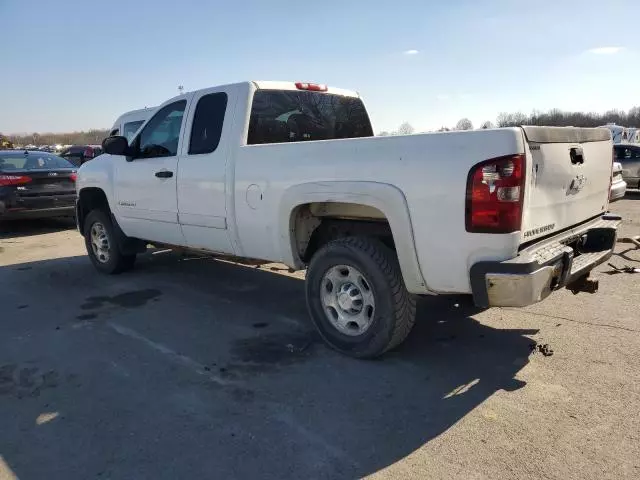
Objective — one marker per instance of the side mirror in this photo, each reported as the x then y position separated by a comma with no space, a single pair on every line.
115,145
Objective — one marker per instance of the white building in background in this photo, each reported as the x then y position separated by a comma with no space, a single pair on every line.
622,134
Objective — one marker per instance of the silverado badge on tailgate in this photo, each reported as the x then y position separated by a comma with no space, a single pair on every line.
539,230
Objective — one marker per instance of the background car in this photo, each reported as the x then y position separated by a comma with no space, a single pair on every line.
628,154
618,185
78,154
36,185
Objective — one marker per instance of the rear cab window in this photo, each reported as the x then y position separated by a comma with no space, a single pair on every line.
626,153
279,116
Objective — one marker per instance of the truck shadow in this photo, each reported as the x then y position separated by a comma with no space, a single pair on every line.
335,417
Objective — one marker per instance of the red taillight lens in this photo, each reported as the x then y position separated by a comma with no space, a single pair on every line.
313,87
7,180
495,191
73,177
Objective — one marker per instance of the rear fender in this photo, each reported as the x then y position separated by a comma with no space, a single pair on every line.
384,197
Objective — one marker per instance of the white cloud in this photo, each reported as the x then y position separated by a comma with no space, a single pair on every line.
442,96
410,52
605,50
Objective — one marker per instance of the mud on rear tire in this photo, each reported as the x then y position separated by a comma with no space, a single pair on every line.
395,308
114,261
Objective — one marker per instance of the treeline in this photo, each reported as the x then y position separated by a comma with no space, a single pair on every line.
89,137
560,118
552,118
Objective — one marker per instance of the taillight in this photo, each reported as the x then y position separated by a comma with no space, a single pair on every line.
73,177
88,152
495,192
313,87
7,180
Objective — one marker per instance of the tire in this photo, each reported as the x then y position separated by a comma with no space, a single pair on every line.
334,297
109,259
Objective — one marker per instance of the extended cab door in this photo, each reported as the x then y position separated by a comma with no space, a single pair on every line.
145,184
202,171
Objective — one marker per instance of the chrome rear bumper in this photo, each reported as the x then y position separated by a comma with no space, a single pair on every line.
545,266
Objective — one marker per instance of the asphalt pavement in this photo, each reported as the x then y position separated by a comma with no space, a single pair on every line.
192,367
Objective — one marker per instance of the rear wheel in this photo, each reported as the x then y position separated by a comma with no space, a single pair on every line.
357,298
102,246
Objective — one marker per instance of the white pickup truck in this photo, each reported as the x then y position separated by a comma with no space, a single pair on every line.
291,173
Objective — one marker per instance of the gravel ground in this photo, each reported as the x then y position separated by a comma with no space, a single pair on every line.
198,368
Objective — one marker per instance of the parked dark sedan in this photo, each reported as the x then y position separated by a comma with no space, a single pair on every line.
35,185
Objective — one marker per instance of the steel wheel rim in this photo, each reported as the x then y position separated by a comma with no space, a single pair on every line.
100,242
347,300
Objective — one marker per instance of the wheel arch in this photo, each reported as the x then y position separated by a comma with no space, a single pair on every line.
371,204
90,198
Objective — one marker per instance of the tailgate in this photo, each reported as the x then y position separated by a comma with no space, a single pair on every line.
568,180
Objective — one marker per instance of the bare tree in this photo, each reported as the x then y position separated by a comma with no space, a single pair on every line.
487,124
464,124
384,133
405,129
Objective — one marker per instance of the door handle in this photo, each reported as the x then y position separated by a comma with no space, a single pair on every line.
164,174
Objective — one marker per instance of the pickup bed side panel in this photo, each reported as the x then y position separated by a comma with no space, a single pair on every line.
429,169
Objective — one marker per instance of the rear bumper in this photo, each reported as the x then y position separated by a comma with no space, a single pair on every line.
14,207
37,213
545,266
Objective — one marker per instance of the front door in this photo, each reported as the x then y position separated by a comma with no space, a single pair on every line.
145,183
202,171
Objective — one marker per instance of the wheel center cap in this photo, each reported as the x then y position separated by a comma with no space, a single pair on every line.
344,300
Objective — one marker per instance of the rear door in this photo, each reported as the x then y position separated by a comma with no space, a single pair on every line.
568,180
202,171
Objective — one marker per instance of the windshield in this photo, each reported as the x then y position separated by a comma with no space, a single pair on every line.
31,161
296,116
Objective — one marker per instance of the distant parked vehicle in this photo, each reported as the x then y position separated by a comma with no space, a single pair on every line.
35,185
78,154
618,185
628,154
128,123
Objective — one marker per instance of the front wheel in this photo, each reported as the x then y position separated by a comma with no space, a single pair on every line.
101,244
357,298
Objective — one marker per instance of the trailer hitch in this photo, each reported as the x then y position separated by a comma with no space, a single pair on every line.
584,284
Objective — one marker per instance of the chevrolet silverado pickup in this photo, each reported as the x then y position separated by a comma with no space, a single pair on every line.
292,173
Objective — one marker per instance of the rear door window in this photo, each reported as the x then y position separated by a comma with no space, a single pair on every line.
207,123
279,116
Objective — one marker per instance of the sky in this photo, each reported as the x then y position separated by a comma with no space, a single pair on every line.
78,64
